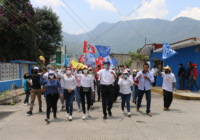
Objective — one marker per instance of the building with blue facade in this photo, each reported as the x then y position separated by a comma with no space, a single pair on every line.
188,51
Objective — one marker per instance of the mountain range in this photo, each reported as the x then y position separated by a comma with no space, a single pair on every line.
130,35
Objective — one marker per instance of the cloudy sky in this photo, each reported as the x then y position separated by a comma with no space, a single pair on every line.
93,12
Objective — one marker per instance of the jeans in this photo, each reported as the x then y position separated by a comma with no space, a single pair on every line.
78,97
133,89
69,97
154,83
191,79
126,98
98,91
27,96
181,83
51,100
62,100
148,98
88,96
107,91
136,92
168,97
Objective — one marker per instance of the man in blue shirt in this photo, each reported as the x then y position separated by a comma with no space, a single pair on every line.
145,77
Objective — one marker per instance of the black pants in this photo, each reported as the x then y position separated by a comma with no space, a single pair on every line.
107,91
51,100
116,91
168,97
88,96
27,96
154,83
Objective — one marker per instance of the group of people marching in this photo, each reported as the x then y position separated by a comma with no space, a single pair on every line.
67,83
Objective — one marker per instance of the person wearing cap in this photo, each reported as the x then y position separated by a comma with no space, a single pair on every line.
125,84
98,83
107,76
154,71
91,72
193,78
52,93
181,72
145,78
87,86
69,87
35,90
169,80
78,87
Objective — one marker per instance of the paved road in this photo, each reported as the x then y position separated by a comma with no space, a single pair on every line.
182,122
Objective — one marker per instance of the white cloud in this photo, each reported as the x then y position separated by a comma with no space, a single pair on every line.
79,32
54,4
153,9
101,5
190,12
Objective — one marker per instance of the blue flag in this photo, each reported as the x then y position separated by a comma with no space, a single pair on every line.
167,52
103,50
114,61
66,60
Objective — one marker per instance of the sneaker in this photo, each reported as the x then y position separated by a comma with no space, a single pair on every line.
67,115
119,97
29,112
70,118
40,109
84,116
104,117
137,110
123,112
89,113
47,120
55,117
110,113
165,109
129,114
25,104
79,110
149,114
62,108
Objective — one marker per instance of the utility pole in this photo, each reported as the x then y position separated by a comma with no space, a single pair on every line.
145,40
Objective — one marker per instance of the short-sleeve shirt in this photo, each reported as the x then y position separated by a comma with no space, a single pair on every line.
106,78
168,80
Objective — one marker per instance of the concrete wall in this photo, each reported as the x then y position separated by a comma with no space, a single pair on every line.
137,64
121,58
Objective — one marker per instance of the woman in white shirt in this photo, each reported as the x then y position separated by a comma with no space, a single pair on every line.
125,84
93,79
69,86
87,86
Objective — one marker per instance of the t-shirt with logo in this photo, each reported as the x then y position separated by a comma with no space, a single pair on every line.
168,80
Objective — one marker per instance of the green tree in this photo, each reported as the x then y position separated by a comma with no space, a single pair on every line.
17,31
50,29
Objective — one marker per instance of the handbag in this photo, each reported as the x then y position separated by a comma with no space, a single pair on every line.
85,89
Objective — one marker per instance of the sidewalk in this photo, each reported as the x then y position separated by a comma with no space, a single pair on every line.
179,94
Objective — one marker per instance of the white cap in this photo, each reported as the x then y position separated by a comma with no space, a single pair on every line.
134,70
57,70
89,68
125,72
36,68
51,72
85,67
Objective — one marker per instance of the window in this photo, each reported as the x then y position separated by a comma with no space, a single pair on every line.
158,62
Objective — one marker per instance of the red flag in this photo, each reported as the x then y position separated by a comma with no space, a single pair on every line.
88,48
82,59
101,60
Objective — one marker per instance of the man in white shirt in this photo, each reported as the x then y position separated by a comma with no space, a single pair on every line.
169,80
154,72
145,78
107,77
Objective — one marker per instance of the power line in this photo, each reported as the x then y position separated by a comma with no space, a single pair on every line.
127,21
82,20
120,21
75,21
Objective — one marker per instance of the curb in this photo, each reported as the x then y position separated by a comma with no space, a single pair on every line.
176,95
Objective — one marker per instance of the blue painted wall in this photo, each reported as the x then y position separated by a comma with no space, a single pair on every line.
184,56
5,85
